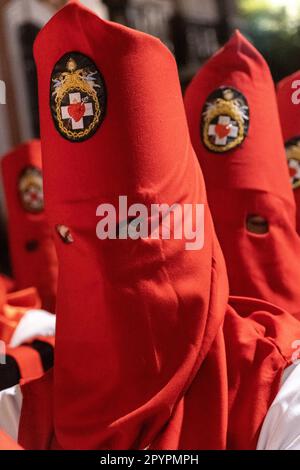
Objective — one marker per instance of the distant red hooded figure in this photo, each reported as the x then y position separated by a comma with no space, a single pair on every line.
144,333
235,130
33,255
288,96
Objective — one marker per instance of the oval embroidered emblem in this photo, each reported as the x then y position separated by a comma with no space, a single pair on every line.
77,97
292,148
225,120
30,187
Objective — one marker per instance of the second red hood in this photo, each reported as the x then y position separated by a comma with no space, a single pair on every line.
245,171
289,111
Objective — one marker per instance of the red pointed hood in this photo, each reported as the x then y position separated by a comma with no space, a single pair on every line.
245,171
141,353
257,163
122,304
289,111
33,255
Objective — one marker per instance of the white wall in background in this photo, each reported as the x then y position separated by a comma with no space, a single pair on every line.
97,6
16,13
5,141
205,10
198,9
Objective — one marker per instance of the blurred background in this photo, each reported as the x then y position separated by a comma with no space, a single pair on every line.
192,29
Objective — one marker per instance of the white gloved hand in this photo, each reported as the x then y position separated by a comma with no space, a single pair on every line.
34,323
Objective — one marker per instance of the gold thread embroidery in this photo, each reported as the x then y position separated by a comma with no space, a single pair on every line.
225,120
227,108
75,80
293,155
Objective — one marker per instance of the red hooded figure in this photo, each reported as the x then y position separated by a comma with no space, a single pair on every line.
235,130
34,260
13,307
148,353
288,96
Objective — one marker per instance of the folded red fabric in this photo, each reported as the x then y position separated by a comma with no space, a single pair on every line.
26,362
14,307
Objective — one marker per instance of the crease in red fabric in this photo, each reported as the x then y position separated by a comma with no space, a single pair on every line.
33,255
251,179
289,113
141,358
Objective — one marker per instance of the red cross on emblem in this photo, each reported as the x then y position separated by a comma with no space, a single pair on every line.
294,170
77,110
224,129
33,197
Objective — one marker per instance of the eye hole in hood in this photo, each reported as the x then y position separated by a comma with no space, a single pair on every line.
257,224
